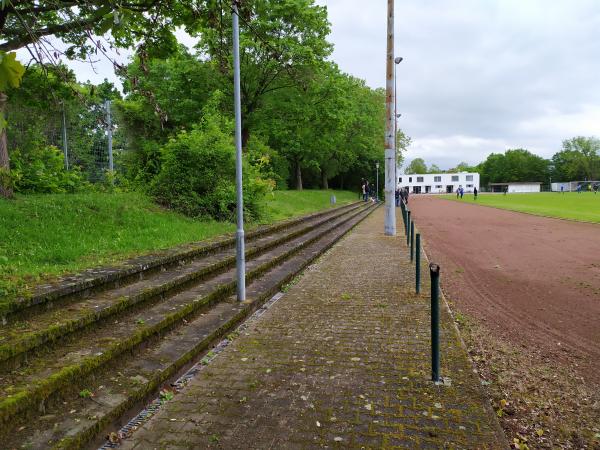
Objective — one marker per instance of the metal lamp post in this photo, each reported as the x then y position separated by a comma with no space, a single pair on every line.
377,181
240,247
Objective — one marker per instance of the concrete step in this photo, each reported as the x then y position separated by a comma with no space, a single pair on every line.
17,338
98,279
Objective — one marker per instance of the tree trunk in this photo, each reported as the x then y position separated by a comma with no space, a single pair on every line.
298,177
324,181
245,136
6,190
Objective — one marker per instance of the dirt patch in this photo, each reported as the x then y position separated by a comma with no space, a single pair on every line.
531,287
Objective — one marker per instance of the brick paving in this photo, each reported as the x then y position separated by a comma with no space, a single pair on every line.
340,361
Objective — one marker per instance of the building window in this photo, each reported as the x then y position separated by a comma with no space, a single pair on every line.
400,180
410,179
469,185
437,179
439,186
454,177
419,179
469,177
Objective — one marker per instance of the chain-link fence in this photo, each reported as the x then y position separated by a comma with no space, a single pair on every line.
89,136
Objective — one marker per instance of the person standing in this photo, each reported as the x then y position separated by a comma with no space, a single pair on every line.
462,192
475,193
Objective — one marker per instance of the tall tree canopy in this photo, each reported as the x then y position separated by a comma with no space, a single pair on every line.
417,165
282,43
513,165
578,160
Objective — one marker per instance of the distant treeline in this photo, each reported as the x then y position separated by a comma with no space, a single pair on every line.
579,160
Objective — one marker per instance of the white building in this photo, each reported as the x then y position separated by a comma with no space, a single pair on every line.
516,187
438,183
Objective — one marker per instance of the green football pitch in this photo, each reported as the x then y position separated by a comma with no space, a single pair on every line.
570,205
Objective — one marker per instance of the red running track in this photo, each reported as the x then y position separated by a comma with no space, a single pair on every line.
533,280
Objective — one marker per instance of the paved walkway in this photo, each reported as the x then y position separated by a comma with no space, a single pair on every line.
341,361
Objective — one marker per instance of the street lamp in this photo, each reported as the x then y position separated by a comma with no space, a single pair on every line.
377,181
397,61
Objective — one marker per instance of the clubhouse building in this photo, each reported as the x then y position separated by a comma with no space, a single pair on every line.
438,183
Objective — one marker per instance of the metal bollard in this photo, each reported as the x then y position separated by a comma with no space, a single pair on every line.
434,271
408,227
418,264
412,241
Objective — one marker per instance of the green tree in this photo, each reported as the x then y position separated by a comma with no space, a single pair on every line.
87,28
11,72
417,165
402,143
462,167
514,165
578,160
281,43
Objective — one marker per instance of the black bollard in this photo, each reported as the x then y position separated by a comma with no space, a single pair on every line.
412,241
408,227
434,271
418,264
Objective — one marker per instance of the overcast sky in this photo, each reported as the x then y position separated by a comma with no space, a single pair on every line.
478,76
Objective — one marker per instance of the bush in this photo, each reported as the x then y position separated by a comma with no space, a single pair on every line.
269,163
40,168
197,175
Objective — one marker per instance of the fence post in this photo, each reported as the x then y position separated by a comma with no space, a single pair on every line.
109,135
408,227
418,264
412,241
64,137
434,271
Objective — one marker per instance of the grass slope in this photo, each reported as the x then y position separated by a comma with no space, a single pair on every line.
570,205
46,235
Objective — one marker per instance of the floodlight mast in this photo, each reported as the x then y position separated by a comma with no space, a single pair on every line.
390,152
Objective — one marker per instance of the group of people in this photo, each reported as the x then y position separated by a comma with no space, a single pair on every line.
595,187
366,190
367,193
579,189
460,192
401,195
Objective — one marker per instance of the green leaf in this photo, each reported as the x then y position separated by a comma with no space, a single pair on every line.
11,71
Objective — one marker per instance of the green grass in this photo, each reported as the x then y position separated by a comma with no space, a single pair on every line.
42,236
570,205
285,204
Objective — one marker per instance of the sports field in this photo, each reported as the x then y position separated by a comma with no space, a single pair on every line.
570,205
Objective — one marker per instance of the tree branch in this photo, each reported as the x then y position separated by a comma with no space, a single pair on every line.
26,39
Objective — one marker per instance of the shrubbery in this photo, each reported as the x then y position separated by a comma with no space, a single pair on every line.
40,168
197,175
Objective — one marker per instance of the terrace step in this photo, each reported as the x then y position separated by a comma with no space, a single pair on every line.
58,320
41,383
103,278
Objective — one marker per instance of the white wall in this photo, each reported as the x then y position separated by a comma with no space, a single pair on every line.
441,185
533,187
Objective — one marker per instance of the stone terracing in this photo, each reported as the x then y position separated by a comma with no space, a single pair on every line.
342,360
70,369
